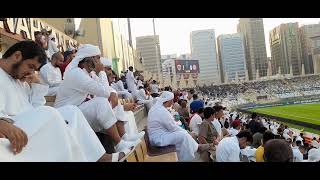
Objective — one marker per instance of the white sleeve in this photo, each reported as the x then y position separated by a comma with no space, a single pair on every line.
48,77
54,46
2,105
37,93
234,156
168,123
94,87
199,120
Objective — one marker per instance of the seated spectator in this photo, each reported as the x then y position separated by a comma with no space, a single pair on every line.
268,135
154,88
235,129
183,111
68,56
297,154
77,86
37,132
218,114
143,96
51,74
314,155
163,131
254,125
228,149
257,137
196,104
277,150
207,132
119,87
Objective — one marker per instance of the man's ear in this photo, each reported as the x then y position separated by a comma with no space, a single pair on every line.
16,57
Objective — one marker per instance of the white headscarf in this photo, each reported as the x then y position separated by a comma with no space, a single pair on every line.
164,97
85,50
106,62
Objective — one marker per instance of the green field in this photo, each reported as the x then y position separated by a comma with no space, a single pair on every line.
309,113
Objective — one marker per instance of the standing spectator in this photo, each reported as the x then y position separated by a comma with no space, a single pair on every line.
52,46
234,130
218,114
254,125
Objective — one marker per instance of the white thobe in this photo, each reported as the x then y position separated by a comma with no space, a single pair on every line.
52,48
49,137
119,87
163,131
228,150
217,126
52,76
233,132
143,98
154,88
74,90
195,122
139,84
297,155
131,82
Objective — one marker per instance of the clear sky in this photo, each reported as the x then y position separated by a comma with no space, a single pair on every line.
174,33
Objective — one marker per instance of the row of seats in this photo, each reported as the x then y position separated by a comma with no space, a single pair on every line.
144,152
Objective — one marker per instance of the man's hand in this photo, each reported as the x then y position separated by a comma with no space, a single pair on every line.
33,78
113,99
129,106
98,66
15,135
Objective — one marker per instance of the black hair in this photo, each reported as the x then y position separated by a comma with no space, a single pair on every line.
254,115
36,33
246,134
200,110
195,96
208,112
262,129
226,124
66,54
217,108
131,68
29,50
298,143
277,150
267,136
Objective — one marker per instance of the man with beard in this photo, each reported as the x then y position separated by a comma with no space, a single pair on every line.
51,74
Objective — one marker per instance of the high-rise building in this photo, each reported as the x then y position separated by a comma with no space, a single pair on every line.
110,34
149,49
231,57
255,46
203,48
306,32
286,48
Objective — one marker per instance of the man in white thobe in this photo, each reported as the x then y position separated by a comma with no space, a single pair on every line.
77,86
119,87
131,81
144,98
154,88
228,149
51,74
52,134
163,130
121,111
52,46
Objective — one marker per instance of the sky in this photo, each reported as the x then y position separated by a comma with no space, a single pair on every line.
174,33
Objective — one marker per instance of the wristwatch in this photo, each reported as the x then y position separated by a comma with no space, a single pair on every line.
8,120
